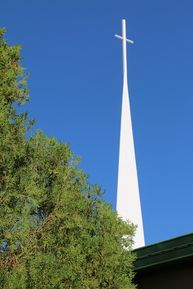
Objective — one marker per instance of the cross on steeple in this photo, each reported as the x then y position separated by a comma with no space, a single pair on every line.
124,37
124,42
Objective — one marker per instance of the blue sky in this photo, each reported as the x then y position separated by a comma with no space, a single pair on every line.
75,67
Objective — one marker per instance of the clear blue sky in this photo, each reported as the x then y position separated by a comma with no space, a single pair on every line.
75,66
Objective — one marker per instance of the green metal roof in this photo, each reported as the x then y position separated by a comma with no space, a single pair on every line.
174,250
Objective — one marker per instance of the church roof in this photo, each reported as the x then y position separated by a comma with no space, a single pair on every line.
176,250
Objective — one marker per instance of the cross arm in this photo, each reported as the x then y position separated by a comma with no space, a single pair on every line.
127,40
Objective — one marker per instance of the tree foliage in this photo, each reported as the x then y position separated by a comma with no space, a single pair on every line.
55,229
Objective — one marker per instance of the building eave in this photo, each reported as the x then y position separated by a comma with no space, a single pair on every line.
175,250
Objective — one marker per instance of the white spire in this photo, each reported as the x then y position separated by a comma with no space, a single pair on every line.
128,199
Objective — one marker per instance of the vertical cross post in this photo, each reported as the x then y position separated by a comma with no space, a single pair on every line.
124,51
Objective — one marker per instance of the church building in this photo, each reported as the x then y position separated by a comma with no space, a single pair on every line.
165,265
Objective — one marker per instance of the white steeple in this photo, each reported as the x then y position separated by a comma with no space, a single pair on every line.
128,199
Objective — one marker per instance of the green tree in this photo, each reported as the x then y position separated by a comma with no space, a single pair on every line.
55,229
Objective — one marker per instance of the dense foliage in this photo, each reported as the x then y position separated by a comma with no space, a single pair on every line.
55,229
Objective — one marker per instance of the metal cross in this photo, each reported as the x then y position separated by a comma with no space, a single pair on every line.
124,40
123,37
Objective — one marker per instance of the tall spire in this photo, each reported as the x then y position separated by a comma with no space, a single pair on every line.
128,199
